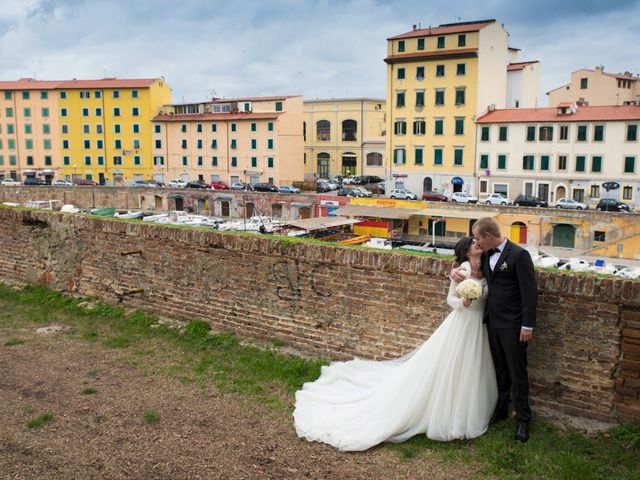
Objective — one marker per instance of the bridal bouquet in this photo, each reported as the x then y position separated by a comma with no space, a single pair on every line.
469,289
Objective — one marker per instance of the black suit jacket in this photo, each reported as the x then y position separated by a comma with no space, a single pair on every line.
513,290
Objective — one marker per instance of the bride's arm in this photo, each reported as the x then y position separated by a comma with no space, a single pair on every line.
453,300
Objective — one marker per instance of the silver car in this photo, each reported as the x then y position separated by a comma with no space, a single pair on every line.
571,204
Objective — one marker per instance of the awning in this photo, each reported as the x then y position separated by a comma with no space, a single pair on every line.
117,171
376,212
28,170
47,170
453,213
457,181
319,223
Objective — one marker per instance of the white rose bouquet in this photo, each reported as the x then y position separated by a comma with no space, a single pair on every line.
469,289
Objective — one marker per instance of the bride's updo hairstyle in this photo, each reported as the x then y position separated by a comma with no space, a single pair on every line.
461,249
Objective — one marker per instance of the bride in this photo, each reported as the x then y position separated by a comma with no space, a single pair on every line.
445,389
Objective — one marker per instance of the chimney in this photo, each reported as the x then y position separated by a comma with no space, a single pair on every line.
415,27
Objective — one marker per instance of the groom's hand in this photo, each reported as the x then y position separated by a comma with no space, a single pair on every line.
526,335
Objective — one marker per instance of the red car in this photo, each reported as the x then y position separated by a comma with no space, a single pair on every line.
434,197
218,186
84,181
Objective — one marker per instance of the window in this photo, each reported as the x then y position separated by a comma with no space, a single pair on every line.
460,96
484,134
86,128
270,126
234,127
546,134
437,156
86,144
484,161
157,128
484,186
254,144
200,161
438,126
562,162
199,143
27,112
627,193
632,133
349,130
419,126
461,69
580,163
254,127
528,162
214,161
584,82
29,160
629,164
270,143
11,144
28,144
158,144
234,161
135,111
66,160
458,156
27,128
323,130
214,127
531,134
25,95
64,128
85,112
134,93
117,144
441,42
98,112
400,127
459,126
135,128
116,128
420,98
87,159
10,128
595,191
421,44
46,128
596,164
85,94
254,162
400,99
564,132
374,159
578,194
598,133
214,143
234,144
65,144
270,162
117,160
184,143
399,155
185,161
502,162
401,46
462,40
100,158
48,160
136,143
98,128
183,128
599,236
582,133
503,134
401,73
45,112
439,96
99,144
419,73
116,111
199,128
544,162
115,94
278,106
97,94
7,95
418,155
439,70
12,160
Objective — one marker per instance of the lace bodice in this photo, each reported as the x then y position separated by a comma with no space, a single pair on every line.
456,302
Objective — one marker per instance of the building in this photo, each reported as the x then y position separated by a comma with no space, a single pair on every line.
569,151
438,80
246,140
344,137
597,87
523,80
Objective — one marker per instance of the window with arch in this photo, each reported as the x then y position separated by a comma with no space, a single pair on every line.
374,159
323,129
349,131
323,165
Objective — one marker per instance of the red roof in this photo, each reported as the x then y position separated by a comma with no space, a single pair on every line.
167,117
520,65
459,52
444,29
31,84
583,114
252,99
622,76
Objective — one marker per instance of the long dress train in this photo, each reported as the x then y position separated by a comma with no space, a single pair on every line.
446,389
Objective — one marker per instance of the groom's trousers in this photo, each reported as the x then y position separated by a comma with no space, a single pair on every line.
510,361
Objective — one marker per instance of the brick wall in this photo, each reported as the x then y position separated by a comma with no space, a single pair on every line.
330,301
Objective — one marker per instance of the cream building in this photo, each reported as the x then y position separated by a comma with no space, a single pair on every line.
344,137
597,87
250,140
439,79
568,151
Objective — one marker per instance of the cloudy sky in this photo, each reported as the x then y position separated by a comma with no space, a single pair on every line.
317,48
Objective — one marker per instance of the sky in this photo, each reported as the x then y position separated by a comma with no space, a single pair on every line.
315,48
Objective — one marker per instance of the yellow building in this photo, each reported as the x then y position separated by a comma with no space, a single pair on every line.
438,80
105,128
344,137
232,140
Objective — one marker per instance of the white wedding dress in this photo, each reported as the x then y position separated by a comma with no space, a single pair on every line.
445,389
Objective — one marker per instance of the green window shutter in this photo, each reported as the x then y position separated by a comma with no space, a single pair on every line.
66,160
234,161
458,156
439,97
531,134
401,73
270,126
421,44
632,133
270,162
582,133
629,164
254,126
185,161
214,127
419,99
233,127
580,163
199,143
439,127
528,162
418,156
254,162
214,161
420,72
459,126
437,156
544,162
254,143
45,112
214,143
596,164
598,133
270,143
484,136
460,100
400,99
233,143
47,144
502,162
278,106
484,161
46,128
503,134
401,46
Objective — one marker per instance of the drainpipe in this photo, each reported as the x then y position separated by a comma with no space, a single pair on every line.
362,137
390,132
104,139
17,130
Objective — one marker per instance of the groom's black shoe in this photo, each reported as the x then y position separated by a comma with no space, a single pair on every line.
498,417
522,432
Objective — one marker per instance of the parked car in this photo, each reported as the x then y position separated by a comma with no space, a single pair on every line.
197,184
497,199
177,183
362,191
85,182
139,183
264,187
380,188
218,186
156,183
238,186
463,197
33,181
365,179
611,205
356,192
571,204
434,197
402,193
10,182
529,201
326,186
289,189
62,183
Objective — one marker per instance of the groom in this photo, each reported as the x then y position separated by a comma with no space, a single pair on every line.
510,315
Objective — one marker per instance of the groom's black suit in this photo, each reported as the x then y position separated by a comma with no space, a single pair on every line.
511,304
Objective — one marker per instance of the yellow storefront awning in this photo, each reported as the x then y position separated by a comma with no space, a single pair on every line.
453,213
393,213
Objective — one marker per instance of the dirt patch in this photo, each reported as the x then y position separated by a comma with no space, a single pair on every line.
99,396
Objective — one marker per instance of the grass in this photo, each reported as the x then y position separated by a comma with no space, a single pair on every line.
13,341
40,420
265,375
89,391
